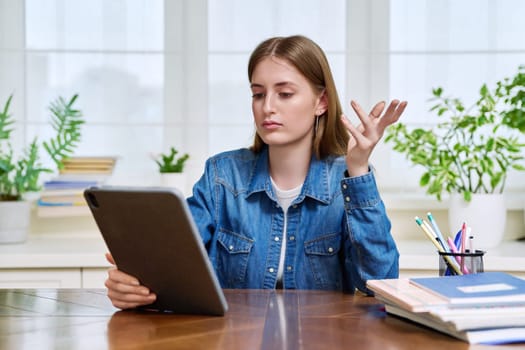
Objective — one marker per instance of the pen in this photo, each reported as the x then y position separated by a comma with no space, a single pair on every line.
428,232
471,243
437,231
471,250
439,247
453,249
433,234
463,243
429,228
463,237
457,240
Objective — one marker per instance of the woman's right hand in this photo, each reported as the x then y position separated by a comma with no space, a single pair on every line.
125,291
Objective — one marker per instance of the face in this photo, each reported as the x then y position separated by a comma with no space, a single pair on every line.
284,104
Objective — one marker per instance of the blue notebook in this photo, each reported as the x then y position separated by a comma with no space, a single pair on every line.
487,288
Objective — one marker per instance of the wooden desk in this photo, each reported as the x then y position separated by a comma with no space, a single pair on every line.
84,319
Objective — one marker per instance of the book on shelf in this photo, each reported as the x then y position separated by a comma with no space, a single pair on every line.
59,184
78,192
86,171
65,201
56,205
487,321
62,211
63,195
109,160
88,165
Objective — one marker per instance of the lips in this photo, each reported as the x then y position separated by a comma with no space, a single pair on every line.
270,124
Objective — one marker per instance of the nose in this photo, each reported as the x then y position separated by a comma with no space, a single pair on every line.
268,105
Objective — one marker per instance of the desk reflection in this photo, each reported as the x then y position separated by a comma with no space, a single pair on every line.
257,319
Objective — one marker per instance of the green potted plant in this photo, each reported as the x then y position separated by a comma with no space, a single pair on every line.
171,168
21,175
170,162
470,153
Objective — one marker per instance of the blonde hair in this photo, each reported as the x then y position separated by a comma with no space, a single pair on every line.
331,137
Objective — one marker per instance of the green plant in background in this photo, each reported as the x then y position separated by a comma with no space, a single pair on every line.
170,163
475,148
66,121
19,176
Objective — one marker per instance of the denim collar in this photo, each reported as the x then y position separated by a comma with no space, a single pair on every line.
316,184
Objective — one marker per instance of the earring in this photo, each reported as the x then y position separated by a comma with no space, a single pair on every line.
316,123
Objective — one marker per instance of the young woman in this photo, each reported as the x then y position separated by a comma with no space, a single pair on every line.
300,209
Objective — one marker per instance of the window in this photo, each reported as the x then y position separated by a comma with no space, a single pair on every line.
154,73
233,34
458,45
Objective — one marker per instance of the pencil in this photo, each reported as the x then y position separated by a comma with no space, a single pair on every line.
438,245
463,243
463,237
458,258
437,231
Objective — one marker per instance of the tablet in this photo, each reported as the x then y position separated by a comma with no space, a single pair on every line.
151,235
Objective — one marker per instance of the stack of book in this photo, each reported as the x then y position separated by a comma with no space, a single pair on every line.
63,195
482,308
99,167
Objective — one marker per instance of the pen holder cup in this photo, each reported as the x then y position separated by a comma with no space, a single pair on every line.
460,263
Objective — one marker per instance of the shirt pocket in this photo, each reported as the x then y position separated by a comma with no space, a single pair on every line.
232,258
323,257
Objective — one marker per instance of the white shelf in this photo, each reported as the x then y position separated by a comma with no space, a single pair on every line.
421,255
46,251
410,200
77,251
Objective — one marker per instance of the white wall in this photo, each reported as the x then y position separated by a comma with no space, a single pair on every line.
154,73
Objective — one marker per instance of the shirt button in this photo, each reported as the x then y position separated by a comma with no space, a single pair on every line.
271,270
230,247
289,268
276,239
330,250
345,186
347,198
292,238
295,206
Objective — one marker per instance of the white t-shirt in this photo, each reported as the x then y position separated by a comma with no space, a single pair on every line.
284,198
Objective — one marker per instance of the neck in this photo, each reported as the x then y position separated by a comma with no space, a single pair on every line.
289,166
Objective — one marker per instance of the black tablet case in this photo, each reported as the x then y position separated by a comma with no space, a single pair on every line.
151,235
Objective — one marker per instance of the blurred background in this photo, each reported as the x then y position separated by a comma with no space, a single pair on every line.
151,74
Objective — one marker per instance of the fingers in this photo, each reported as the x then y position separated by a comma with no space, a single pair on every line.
356,134
118,276
374,124
390,116
374,113
393,112
377,109
110,259
130,301
365,137
126,292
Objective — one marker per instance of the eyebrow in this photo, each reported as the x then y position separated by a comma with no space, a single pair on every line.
279,84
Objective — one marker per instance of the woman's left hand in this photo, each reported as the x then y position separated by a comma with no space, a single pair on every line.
366,136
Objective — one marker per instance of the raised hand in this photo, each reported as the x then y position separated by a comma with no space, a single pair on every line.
366,136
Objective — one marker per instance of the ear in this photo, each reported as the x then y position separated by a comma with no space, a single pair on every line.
322,104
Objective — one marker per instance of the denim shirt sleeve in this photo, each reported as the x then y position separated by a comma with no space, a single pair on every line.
202,204
372,252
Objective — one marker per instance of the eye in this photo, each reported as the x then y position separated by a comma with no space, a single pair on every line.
286,94
257,95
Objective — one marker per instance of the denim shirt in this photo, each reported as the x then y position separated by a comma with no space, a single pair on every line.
338,233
